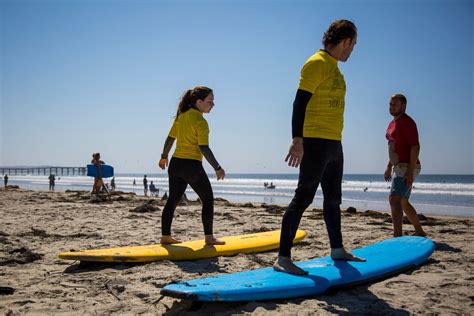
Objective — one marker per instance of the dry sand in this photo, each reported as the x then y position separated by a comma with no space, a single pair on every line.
37,225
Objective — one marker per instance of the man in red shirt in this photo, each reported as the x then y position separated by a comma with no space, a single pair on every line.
403,151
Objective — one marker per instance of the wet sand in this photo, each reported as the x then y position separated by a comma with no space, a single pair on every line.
37,225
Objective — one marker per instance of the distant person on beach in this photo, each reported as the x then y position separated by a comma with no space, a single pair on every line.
99,185
112,183
145,185
191,131
317,121
403,152
52,180
153,190
5,180
134,182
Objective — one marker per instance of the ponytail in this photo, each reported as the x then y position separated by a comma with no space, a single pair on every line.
190,97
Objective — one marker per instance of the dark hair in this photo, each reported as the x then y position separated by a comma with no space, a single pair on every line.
401,97
190,97
339,30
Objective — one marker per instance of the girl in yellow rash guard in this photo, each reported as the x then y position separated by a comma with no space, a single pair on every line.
191,131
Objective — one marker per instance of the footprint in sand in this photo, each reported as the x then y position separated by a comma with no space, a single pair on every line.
396,283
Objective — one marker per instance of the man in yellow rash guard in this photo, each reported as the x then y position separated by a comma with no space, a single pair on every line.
317,122
324,117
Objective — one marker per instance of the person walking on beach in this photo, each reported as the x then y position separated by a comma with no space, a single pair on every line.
52,180
145,185
5,180
317,122
403,152
99,184
191,131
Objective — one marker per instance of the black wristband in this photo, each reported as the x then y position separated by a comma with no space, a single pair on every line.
163,156
218,168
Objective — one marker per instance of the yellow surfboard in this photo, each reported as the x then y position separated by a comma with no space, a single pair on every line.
189,250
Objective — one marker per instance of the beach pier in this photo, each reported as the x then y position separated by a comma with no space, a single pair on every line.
59,171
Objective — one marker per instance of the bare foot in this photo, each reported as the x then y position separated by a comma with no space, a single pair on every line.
284,264
168,240
211,240
342,254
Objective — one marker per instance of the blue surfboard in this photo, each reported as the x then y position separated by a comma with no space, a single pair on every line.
107,171
384,258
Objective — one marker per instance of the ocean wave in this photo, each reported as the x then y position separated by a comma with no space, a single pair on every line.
242,186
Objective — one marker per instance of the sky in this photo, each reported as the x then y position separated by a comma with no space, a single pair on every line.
87,76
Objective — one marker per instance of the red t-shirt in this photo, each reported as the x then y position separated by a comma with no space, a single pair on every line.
401,134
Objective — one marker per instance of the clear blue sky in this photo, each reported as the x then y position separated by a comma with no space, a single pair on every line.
85,76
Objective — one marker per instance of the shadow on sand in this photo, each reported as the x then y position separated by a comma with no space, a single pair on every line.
441,246
200,266
195,266
84,266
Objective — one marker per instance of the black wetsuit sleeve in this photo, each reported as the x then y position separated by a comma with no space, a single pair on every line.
207,152
299,109
167,147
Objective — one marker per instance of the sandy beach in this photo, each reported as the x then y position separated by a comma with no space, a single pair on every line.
37,225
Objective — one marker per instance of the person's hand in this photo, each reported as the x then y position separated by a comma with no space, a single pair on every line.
295,153
220,174
388,174
163,163
409,178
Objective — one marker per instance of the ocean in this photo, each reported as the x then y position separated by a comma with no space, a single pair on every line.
432,194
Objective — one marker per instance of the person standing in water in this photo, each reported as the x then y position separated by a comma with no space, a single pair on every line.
317,121
112,184
191,131
145,185
52,180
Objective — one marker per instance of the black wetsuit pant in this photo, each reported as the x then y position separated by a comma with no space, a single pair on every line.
182,172
322,163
